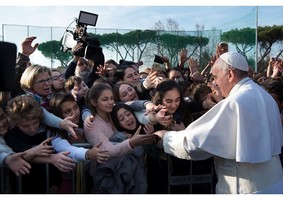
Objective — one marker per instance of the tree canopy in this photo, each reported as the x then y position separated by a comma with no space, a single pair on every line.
269,37
52,50
136,44
243,39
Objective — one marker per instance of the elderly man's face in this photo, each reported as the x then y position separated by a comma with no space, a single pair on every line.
222,78
83,68
83,64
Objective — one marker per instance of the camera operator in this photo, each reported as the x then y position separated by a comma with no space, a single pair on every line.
88,56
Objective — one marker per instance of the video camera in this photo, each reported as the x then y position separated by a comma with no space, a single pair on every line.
91,45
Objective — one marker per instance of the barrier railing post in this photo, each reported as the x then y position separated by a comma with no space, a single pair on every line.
47,178
74,174
19,184
2,190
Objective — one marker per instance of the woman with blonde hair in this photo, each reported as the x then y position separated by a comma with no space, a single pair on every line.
36,82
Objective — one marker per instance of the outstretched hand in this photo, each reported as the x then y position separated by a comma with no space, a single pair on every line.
62,161
183,57
149,81
98,154
88,122
163,117
151,107
17,164
27,48
102,70
44,148
69,126
148,128
141,139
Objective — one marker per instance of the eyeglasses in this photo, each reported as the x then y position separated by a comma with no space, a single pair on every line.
56,78
41,82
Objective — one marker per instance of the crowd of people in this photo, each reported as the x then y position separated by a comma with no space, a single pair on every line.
123,128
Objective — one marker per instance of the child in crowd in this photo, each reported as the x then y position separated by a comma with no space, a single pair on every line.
63,105
29,135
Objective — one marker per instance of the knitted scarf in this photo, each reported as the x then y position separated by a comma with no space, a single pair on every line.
43,101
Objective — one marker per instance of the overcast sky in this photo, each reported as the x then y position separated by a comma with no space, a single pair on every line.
138,17
128,15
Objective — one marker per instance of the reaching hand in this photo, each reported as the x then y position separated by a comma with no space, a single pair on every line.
27,48
196,76
193,65
139,139
40,150
62,162
77,48
43,149
98,154
183,57
158,80
88,122
17,164
163,117
148,128
276,69
151,107
102,70
149,81
69,126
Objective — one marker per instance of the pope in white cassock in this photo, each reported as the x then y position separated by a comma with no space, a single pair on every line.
243,133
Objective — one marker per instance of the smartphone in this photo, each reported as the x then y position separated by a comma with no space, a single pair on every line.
158,59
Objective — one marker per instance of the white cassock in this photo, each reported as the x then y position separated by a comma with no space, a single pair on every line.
244,134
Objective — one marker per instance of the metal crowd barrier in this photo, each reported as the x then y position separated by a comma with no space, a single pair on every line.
192,179
5,187
174,180
4,179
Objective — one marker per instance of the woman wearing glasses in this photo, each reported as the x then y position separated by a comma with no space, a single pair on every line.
58,81
36,82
